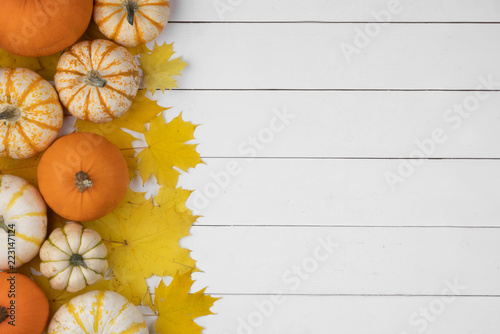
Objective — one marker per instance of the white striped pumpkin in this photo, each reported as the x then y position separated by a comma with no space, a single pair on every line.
30,113
131,22
73,257
23,221
97,80
94,312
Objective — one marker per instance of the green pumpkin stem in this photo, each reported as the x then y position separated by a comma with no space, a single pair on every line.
3,314
77,260
82,181
4,226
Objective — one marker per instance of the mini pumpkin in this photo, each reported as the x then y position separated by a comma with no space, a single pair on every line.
131,22
73,257
35,28
24,308
97,80
83,176
30,113
98,312
23,221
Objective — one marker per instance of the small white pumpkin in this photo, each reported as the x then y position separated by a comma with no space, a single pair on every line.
98,312
73,257
23,221
131,22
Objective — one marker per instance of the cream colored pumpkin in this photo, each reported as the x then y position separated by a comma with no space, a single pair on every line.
73,257
23,221
98,312
97,80
30,113
131,22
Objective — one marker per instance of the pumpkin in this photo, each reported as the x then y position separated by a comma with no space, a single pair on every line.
36,28
30,113
73,257
23,221
82,176
131,22
24,308
98,311
97,80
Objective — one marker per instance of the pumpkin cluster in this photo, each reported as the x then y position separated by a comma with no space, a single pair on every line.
81,176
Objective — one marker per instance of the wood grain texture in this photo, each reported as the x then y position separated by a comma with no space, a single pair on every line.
342,10
344,192
309,56
354,315
366,261
338,124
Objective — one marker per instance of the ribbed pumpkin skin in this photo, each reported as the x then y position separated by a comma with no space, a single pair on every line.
36,28
32,306
148,20
21,205
98,312
57,251
97,157
116,67
40,113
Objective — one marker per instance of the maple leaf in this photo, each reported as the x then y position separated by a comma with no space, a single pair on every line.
143,240
142,111
158,68
57,298
167,148
177,308
48,66
25,168
45,66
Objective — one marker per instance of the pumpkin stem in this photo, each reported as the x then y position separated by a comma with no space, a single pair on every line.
4,226
82,181
95,79
3,314
131,7
10,113
77,260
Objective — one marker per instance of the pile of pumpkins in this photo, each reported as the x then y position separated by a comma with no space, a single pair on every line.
81,176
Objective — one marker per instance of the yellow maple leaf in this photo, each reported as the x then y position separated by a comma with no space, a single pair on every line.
45,66
158,67
25,168
175,198
57,298
167,148
143,240
177,308
142,111
48,66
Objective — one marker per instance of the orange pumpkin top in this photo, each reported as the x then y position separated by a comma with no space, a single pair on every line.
83,176
36,28
24,308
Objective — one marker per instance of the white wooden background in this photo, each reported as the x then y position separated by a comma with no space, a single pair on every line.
323,175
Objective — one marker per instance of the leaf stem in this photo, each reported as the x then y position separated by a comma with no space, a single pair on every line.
116,242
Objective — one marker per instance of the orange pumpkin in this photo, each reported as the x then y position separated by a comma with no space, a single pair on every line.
83,176
30,113
24,308
97,80
36,28
131,22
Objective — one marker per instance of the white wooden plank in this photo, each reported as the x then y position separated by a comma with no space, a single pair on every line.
309,56
345,192
337,124
339,10
367,261
353,315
